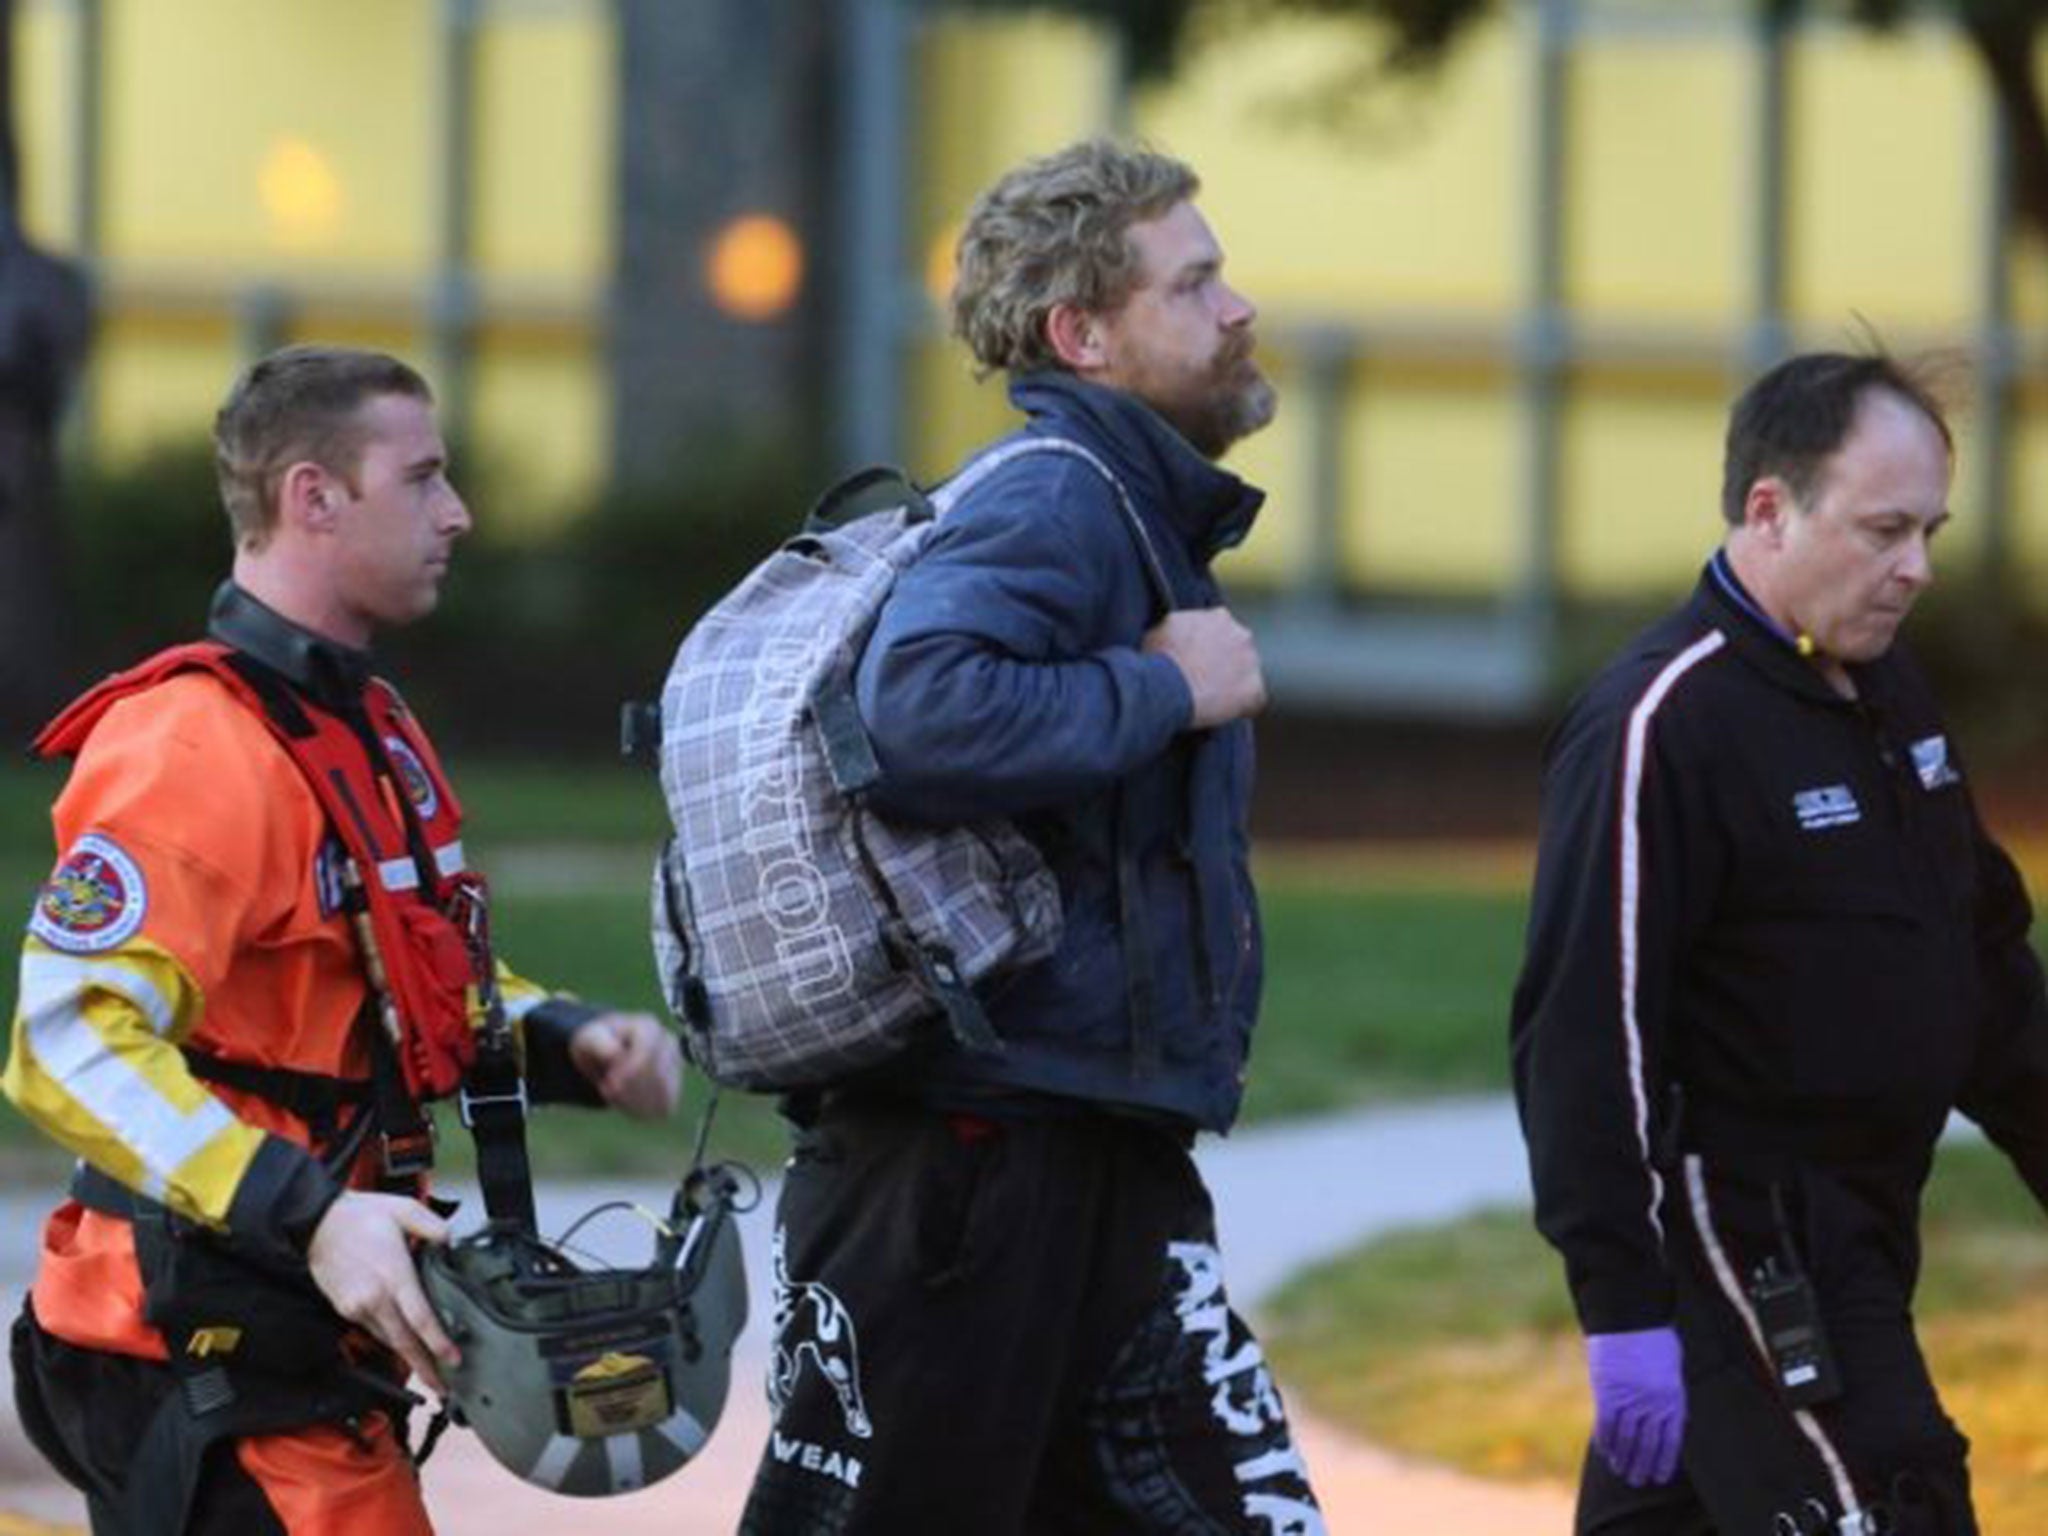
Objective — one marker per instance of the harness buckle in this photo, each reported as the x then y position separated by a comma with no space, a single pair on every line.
206,1391
408,1154
471,1102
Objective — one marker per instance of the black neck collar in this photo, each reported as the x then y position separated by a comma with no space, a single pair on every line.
327,672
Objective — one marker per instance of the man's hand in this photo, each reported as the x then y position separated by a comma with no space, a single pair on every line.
1638,1403
1217,656
363,1265
633,1061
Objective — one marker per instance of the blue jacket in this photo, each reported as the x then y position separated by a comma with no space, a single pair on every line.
1004,677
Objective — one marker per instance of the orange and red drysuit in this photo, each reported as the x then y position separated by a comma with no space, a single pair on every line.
202,905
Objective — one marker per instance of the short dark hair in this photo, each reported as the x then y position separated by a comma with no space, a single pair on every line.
298,404
1790,422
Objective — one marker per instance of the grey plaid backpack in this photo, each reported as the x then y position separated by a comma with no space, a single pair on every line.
800,936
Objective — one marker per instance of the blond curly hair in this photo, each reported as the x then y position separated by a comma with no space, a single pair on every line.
1054,231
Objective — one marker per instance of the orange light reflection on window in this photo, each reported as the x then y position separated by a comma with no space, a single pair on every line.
756,267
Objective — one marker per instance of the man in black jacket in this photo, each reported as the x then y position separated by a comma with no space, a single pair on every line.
1771,947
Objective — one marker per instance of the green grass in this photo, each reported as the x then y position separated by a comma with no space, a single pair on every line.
1377,986
1457,1343
1377,992
612,804
1454,1343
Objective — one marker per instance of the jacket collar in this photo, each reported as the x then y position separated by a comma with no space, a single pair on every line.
330,674
1211,508
1758,638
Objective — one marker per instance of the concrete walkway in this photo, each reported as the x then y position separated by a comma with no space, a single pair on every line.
1286,1196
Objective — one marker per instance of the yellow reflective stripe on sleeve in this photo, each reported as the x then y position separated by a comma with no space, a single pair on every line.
519,995
49,979
204,1188
94,1067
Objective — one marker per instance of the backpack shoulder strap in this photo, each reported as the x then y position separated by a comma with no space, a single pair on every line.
877,488
980,468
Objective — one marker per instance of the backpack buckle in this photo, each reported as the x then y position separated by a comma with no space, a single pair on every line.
938,975
640,730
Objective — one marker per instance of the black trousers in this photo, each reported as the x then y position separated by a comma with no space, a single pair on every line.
1011,1327
1883,1449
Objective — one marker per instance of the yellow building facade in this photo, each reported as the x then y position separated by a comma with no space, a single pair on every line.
1506,305
259,172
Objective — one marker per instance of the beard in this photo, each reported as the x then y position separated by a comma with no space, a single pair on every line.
1230,402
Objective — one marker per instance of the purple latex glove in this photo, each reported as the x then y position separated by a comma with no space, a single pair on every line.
1638,1403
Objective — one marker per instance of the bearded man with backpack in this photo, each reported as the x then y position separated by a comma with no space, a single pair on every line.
1000,1305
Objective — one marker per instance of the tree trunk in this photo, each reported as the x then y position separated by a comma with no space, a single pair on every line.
722,112
2003,36
44,327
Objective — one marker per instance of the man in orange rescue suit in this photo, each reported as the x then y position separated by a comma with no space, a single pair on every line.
260,952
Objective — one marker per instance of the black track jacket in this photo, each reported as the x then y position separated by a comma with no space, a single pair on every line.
1781,900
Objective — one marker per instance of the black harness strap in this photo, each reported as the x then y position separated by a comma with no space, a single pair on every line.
494,1109
209,1406
276,694
493,1094
404,1133
314,1097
